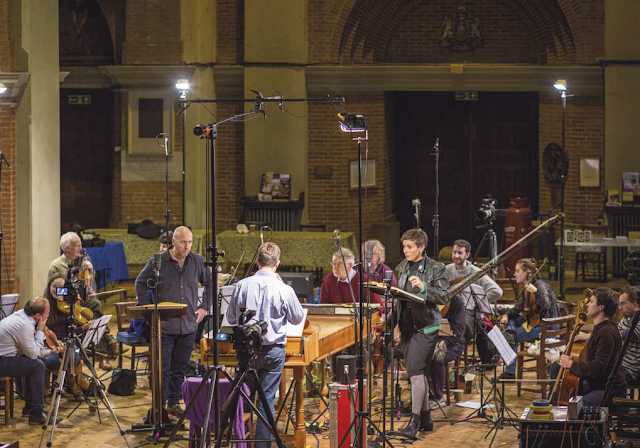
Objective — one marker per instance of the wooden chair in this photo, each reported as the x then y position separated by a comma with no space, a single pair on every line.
592,262
563,327
125,338
565,308
626,418
8,398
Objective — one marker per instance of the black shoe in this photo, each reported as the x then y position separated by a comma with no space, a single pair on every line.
426,424
411,429
39,418
507,376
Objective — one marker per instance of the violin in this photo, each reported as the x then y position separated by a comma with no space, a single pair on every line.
82,314
50,339
530,311
566,382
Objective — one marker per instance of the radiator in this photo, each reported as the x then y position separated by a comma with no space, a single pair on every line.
279,219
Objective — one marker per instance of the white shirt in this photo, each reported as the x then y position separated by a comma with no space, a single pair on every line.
18,336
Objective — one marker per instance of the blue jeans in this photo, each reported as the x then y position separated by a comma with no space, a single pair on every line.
52,362
176,354
33,371
269,364
521,335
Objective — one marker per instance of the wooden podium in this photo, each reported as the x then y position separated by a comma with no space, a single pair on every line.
166,311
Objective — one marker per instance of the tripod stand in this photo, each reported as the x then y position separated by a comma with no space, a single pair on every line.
244,374
356,123
67,365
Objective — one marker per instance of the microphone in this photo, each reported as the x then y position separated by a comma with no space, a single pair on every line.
437,145
388,277
261,236
336,237
368,255
157,263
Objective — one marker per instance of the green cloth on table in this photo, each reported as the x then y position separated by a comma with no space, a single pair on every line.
138,250
297,248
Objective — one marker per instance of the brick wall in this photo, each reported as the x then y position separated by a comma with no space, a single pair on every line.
8,201
147,200
230,162
584,138
230,31
152,34
330,200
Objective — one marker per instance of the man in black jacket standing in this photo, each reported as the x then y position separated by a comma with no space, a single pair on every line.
417,324
181,271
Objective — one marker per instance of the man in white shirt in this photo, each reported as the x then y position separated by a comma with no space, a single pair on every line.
21,349
276,304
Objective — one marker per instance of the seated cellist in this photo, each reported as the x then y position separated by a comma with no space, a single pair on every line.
604,345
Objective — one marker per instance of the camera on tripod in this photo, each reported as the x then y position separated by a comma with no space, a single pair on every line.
72,287
488,211
247,337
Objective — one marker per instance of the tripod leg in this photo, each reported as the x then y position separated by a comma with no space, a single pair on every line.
229,406
100,388
55,402
267,409
189,406
212,394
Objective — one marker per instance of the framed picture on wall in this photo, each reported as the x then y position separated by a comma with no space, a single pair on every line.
589,172
368,174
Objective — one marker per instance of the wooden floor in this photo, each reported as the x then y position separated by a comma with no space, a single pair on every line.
83,429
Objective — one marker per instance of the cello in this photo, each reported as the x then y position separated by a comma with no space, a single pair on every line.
567,383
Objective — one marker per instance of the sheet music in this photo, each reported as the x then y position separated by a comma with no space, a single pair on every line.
295,331
470,301
506,352
96,330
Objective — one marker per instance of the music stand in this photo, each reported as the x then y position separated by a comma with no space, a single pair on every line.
8,304
94,334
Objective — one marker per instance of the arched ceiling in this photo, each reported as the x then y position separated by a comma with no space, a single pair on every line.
371,24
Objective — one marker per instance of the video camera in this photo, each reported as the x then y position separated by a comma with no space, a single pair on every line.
72,287
247,337
488,211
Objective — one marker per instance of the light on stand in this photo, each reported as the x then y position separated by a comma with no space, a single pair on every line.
352,122
3,88
560,84
183,86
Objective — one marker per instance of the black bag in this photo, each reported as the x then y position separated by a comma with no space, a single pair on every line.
148,230
123,382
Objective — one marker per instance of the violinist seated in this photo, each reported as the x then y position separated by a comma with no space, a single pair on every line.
71,247
21,351
58,325
536,302
601,351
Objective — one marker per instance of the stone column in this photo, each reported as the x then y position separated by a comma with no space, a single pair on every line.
38,143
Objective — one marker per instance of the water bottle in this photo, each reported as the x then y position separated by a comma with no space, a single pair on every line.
317,294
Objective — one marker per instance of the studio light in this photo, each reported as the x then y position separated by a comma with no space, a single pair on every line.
183,86
352,122
561,84
3,88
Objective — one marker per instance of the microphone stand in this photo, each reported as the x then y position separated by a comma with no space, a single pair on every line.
436,215
3,159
